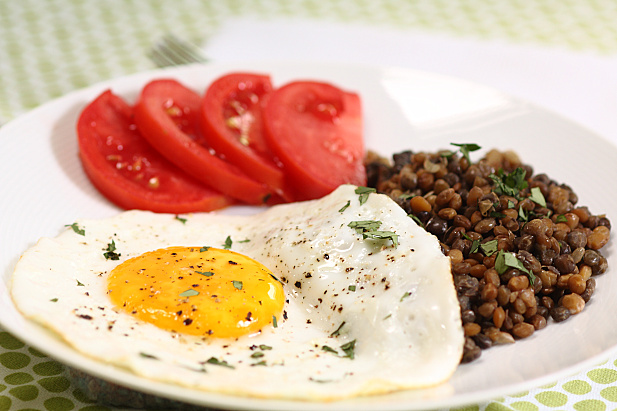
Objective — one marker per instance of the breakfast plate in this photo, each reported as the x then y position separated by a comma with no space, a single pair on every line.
44,188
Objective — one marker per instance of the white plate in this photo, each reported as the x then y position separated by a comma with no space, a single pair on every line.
44,188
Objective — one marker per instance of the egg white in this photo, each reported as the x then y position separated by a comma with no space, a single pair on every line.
398,304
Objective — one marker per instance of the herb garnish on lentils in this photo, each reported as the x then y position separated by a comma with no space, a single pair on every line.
523,252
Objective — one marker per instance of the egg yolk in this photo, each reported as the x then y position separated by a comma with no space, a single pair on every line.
198,291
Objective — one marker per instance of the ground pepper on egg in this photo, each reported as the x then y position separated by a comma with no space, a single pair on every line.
523,252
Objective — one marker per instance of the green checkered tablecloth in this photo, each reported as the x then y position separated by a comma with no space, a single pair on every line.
49,48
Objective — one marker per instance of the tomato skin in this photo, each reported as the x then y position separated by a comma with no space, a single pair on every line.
315,129
156,123
128,171
231,121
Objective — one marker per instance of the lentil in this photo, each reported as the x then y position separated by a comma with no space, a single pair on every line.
461,204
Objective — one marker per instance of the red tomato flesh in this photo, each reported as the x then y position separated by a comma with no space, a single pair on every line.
232,124
128,171
167,116
315,129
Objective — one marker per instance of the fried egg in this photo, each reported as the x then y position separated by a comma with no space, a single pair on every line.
321,300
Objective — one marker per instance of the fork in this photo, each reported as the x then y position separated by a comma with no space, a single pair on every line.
170,50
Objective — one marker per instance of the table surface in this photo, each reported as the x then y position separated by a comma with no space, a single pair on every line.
561,55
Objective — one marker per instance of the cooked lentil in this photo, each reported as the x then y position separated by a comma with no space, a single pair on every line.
481,213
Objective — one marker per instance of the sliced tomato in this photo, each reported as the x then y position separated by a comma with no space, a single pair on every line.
232,124
128,171
167,115
315,129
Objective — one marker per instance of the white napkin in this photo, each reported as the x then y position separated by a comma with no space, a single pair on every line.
580,86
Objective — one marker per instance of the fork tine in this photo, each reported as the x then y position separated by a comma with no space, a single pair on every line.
170,50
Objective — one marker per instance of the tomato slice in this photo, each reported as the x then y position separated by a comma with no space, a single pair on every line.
128,171
167,115
232,123
315,129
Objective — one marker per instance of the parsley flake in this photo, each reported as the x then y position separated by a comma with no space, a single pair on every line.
216,361
227,244
489,248
274,322
237,284
257,354
338,330
110,252
407,294
368,229
363,193
537,196
182,220
329,349
561,219
273,276
349,348
507,260
54,300
79,284
352,288
345,206
204,248
264,347
77,229
509,184
465,149
148,356
206,273
416,219
189,293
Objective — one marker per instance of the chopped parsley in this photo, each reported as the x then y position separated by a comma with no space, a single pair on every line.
345,206
349,349
237,284
77,229
407,294
227,244
264,347
206,273
507,260
338,330
509,184
182,220
274,322
54,300
216,361
364,225
204,248
537,196
368,229
329,349
465,149
257,354
110,252
489,248
352,288
79,284
148,356
189,293
561,219
363,193
416,219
